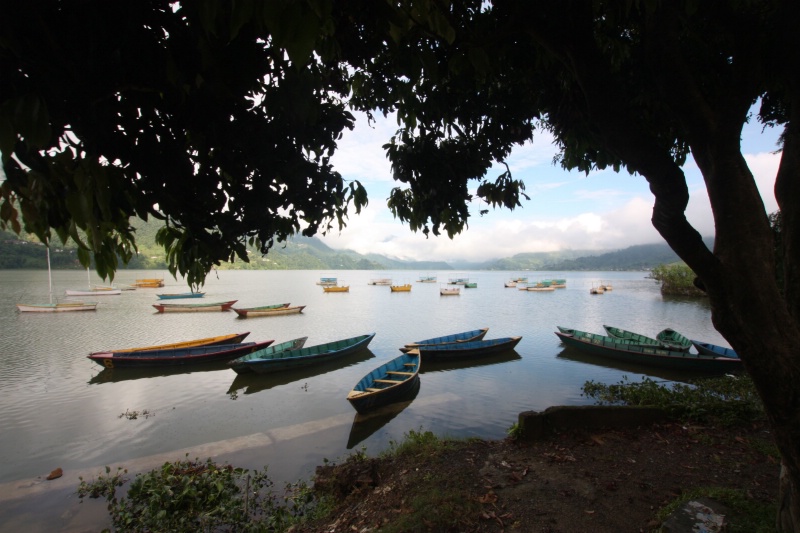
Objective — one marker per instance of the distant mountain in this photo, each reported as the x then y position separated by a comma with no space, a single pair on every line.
310,253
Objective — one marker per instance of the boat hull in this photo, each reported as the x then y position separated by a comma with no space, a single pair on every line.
93,292
277,311
466,336
401,288
57,308
653,355
232,338
467,350
386,384
193,308
266,362
180,296
183,356
345,288
712,349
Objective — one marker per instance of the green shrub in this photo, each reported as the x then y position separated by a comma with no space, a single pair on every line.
676,279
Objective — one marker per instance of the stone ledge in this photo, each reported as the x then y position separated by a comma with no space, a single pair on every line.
535,425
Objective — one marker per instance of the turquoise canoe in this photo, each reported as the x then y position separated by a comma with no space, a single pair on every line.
388,383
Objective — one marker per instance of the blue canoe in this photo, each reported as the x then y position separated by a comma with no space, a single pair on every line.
386,384
466,350
712,349
179,295
466,336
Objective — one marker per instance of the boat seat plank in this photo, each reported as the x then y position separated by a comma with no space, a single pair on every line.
397,372
372,389
409,364
391,381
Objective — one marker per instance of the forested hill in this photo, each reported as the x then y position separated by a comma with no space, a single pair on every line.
304,253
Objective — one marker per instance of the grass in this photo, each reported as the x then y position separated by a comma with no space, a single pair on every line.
743,515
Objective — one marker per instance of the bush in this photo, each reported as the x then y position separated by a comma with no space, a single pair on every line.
676,279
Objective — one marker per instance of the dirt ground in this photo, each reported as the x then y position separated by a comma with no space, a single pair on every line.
604,481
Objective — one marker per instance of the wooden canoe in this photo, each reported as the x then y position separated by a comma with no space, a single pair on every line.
268,310
149,283
595,338
60,307
180,295
653,355
93,292
266,361
193,308
466,336
667,338
467,350
450,292
241,366
401,288
386,384
336,288
712,349
232,338
220,353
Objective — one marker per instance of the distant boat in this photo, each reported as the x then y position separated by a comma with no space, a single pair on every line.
93,291
471,285
326,282
218,353
57,307
712,349
194,308
652,355
268,361
510,284
457,281
607,286
466,350
180,295
269,310
386,384
401,288
380,281
597,290
149,283
454,291
541,286
232,338
336,288
426,278
466,336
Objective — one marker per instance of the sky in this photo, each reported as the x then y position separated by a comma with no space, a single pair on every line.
567,210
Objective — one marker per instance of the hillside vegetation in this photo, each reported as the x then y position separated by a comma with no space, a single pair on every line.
310,253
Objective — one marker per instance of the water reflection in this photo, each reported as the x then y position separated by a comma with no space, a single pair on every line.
117,375
365,425
253,383
443,365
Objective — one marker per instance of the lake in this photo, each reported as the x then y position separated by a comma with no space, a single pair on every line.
60,409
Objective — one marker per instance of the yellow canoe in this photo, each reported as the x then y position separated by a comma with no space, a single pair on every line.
233,338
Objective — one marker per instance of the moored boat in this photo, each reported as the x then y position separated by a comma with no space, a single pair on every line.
380,281
149,283
327,281
266,361
231,338
57,307
653,355
466,350
667,338
510,284
219,353
401,288
426,278
99,291
180,295
712,349
336,288
194,308
447,291
268,310
386,384
465,336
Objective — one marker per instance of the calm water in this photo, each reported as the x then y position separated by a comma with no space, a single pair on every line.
61,409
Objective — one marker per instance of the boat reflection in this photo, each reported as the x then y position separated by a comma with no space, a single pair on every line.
364,425
252,383
442,365
576,355
116,375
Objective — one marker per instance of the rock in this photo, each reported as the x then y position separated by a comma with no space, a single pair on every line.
55,474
